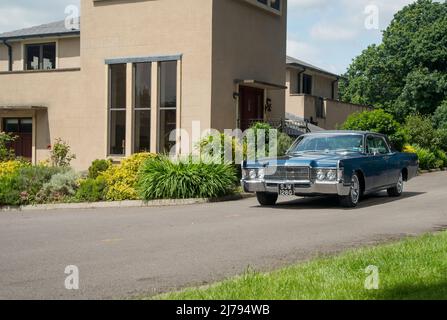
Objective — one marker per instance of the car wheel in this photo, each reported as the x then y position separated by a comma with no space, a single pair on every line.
267,199
352,200
398,189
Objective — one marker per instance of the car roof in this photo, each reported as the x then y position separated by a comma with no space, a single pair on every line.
347,132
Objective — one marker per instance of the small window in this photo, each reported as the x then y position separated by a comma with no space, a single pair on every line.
275,4
272,4
307,84
376,145
40,56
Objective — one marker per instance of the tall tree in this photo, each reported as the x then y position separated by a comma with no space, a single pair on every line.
407,72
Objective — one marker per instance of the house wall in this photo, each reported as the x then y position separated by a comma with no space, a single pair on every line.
116,29
68,53
321,84
249,43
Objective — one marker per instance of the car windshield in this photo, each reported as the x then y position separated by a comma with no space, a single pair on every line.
328,143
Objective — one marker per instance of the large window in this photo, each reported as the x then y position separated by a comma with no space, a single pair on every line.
168,104
40,56
117,109
142,108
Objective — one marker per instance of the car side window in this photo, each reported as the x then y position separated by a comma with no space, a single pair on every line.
376,145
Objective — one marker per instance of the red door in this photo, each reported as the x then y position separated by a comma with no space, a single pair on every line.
22,128
251,106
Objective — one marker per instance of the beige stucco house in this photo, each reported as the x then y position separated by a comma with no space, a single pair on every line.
139,70
142,68
312,94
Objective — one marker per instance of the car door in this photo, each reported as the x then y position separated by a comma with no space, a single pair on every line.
378,160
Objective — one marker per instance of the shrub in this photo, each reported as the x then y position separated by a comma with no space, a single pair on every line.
409,149
378,121
11,166
440,116
427,159
122,179
207,147
164,179
91,190
22,186
420,132
441,157
60,187
284,143
60,154
442,137
98,167
6,153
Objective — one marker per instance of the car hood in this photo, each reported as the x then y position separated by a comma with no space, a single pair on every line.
307,159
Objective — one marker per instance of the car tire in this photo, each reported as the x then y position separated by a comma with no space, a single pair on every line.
352,200
267,199
398,189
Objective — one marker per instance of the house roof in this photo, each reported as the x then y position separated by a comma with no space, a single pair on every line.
45,30
302,64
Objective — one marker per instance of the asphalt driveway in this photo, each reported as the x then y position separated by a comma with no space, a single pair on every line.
126,252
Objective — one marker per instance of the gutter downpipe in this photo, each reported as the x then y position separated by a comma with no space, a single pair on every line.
5,42
333,88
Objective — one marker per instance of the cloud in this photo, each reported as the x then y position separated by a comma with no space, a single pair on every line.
330,32
308,4
302,50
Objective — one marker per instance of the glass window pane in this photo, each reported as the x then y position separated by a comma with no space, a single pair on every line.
49,56
143,85
33,57
26,125
142,131
275,4
118,86
117,132
167,125
168,84
11,125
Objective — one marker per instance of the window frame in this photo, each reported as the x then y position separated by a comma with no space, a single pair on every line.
136,109
110,110
388,148
40,44
268,6
160,108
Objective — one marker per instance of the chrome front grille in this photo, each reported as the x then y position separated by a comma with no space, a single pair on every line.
287,173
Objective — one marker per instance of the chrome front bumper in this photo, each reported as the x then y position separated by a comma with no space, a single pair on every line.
301,188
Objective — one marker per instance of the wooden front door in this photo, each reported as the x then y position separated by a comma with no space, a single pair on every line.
22,128
251,106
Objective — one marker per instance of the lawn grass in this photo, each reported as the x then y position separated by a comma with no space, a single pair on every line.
415,268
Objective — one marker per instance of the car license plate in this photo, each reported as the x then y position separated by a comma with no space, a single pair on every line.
286,190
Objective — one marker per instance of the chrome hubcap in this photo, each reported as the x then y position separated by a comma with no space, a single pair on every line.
355,189
400,184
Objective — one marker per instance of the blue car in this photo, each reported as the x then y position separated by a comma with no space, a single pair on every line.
347,164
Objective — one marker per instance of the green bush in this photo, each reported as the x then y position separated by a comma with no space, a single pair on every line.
162,178
61,155
442,137
22,186
440,116
427,159
420,132
6,153
441,157
121,179
91,190
284,143
98,167
61,186
378,121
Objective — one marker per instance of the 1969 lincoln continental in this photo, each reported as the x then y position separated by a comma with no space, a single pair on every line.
348,164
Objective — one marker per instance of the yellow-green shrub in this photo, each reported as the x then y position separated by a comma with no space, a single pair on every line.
121,179
11,166
409,149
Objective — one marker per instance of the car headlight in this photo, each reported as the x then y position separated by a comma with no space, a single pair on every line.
326,175
321,175
253,174
331,175
261,173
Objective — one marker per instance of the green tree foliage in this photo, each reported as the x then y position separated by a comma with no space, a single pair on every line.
440,116
377,121
407,72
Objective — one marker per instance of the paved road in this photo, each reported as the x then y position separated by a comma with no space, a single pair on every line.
126,252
